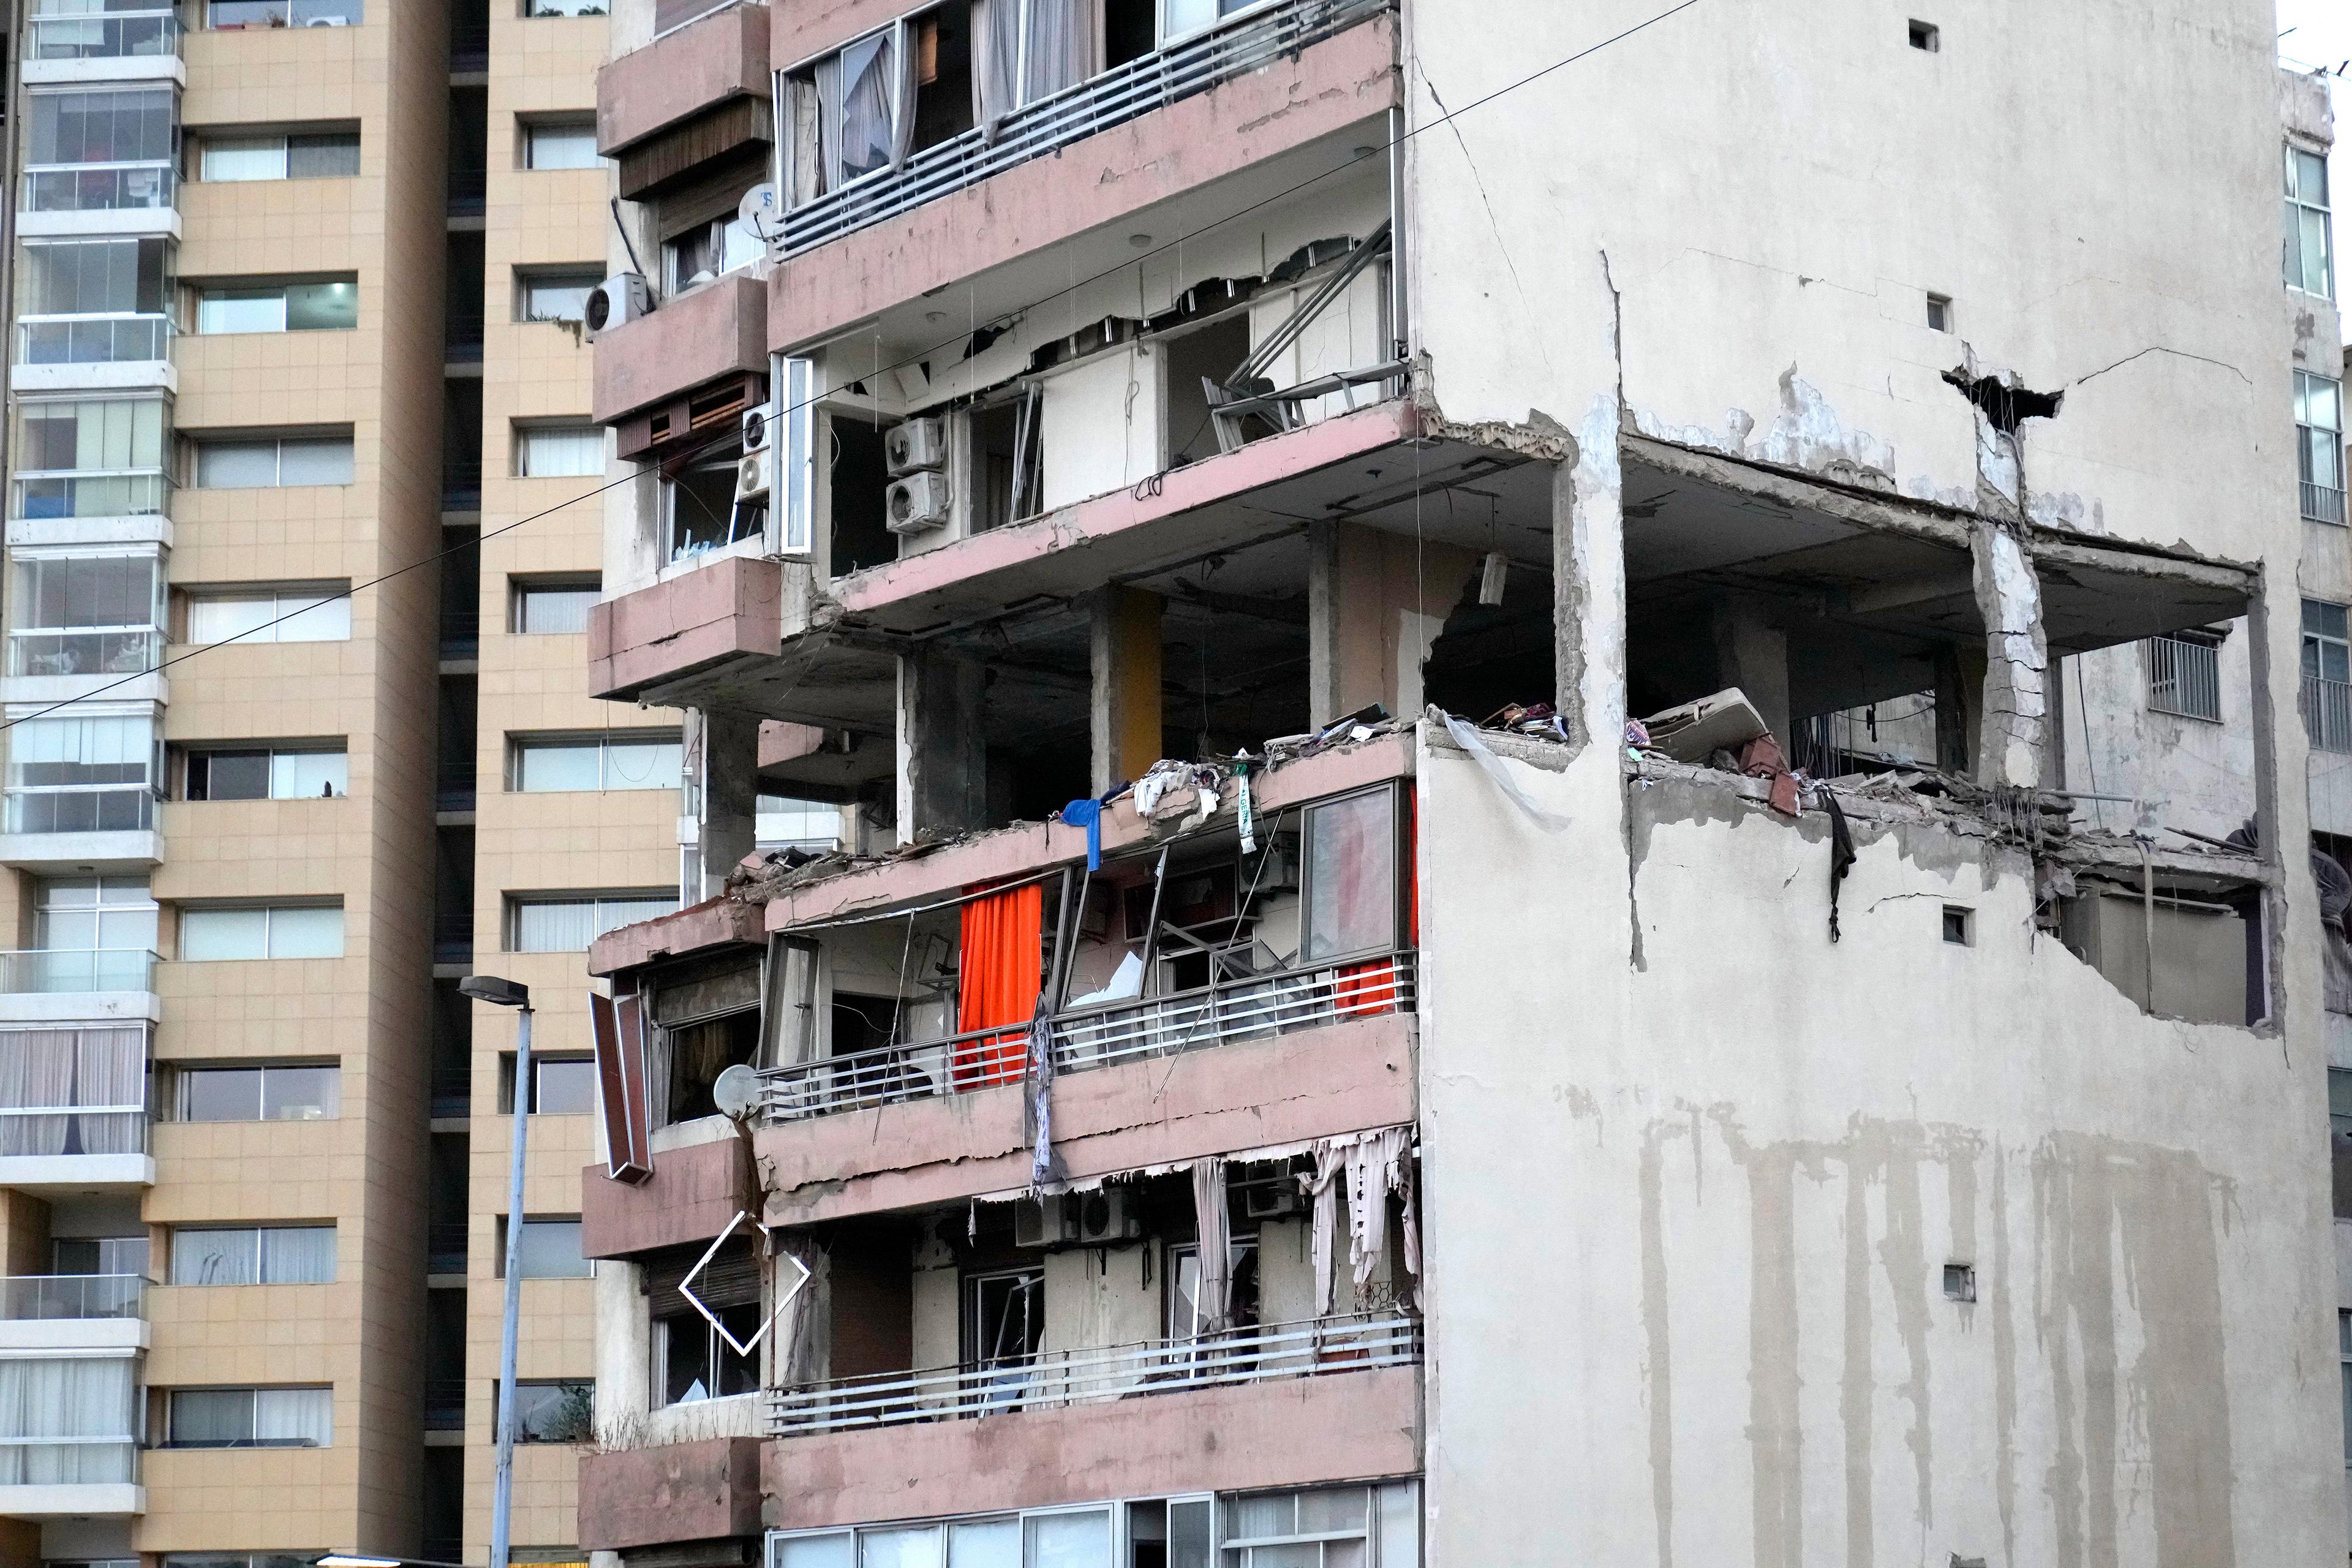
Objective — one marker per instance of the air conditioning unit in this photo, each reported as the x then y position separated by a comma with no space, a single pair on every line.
1272,1200
914,445
751,475
755,426
616,301
1103,1216
918,503
1042,1221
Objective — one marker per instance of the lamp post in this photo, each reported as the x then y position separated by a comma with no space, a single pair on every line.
500,992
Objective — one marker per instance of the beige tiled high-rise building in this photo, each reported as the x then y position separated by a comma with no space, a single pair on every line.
295,363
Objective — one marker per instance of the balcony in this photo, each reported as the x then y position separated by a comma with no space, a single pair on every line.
696,338
102,986
73,1110
109,46
73,1311
696,94
726,615
70,828
69,1413
60,353
48,653
59,494
2322,503
100,198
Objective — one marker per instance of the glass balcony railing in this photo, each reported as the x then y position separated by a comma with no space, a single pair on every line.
43,1297
68,1461
112,650
114,35
83,492
92,339
108,808
98,187
52,970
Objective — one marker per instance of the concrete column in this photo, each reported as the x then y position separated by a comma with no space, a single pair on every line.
1960,704
2013,737
1753,655
1322,623
731,793
942,752
1375,604
1126,713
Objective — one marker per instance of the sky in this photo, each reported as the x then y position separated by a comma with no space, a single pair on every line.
2319,33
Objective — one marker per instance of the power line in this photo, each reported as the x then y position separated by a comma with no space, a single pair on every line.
917,357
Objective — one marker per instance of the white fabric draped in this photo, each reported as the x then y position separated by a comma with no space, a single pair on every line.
37,1071
1214,1302
298,1254
1062,47
301,1417
865,79
49,1398
111,1068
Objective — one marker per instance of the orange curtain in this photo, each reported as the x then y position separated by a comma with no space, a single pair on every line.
1000,971
1371,987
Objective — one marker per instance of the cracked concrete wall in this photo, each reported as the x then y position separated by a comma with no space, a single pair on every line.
2012,731
2188,773
1689,1203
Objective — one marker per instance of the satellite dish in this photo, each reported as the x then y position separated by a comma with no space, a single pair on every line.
760,213
737,1091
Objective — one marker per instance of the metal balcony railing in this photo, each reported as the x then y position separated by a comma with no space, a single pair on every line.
108,36
68,1461
2322,503
1252,1007
2184,677
79,808
2327,713
41,1296
1231,48
99,187
1354,1342
85,492
47,971
84,650
92,339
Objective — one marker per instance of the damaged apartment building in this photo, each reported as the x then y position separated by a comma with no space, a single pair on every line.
1566,778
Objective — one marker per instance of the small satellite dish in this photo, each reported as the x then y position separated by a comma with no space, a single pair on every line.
737,1091
759,212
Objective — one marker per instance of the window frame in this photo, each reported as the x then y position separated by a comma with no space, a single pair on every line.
565,125
520,743
1400,878
498,1262
198,446
2297,205
523,435
203,294
595,897
2315,441
182,1088
191,755
287,603
2188,648
269,913
178,1232
520,590
253,1414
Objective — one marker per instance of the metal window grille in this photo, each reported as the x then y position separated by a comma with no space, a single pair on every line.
2184,677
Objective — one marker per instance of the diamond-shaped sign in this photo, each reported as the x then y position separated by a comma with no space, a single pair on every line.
784,1293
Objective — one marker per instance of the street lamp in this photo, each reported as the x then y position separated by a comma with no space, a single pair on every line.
500,992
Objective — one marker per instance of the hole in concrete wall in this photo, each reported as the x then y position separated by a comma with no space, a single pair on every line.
1211,352
2005,406
1959,925
1959,1282
860,487
1927,36
1488,656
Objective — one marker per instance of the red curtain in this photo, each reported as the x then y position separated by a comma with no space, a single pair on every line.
1000,972
1371,987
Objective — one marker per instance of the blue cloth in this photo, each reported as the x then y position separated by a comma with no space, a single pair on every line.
1088,814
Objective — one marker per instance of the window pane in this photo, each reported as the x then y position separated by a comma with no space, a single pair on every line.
241,310
570,766
554,609
245,158
817,1552
317,462
228,775
211,1418
335,155
546,926
562,147
326,618
562,454
220,1094
1350,877
1068,1540
551,1250
212,935
555,1412
298,1254
2323,618
247,13
321,306
306,932
301,1094
984,1544
294,1418
224,618
641,764
909,1546
309,776
686,1359
236,465
215,1256
611,914
565,1088
557,298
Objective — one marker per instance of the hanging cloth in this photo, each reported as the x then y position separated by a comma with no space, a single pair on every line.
1323,1188
1001,973
995,63
1215,1254
1088,814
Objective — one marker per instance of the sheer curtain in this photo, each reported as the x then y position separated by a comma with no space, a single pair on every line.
1063,46
215,1256
298,1254
112,1067
36,1069
294,1418
864,88
996,61
89,1398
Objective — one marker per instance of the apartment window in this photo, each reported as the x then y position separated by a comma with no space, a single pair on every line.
94,1254
1940,313
2310,264
251,1418
75,915
266,1093
609,762
2184,675
90,458
559,451
2327,676
549,605
1184,1318
68,1419
786,821
561,1086
329,306
564,8
73,1089
253,1255
328,154
84,611
1350,889
705,250
270,462
265,774
558,1411
700,504
93,772
319,613
237,14
559,144
1003,1318
549,1251
559,296
125,280
568,923
2339,1139
226,933
75,134
1322,1528
692,1362
2319,445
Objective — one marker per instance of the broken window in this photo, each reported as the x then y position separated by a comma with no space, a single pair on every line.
2319,445
943,97
1352,878
698,501
2327,676
1007,458
2310,266
859,484
1004,1322
1203,355
2184,674
691,1362
1184,1318
708,248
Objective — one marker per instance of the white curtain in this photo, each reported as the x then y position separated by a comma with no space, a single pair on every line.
215,1256
1063,46
996,61
1214,1301
37,1069
294,1416
298,1254
112,1069
863,80
51,1397
1323,1190
555,926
